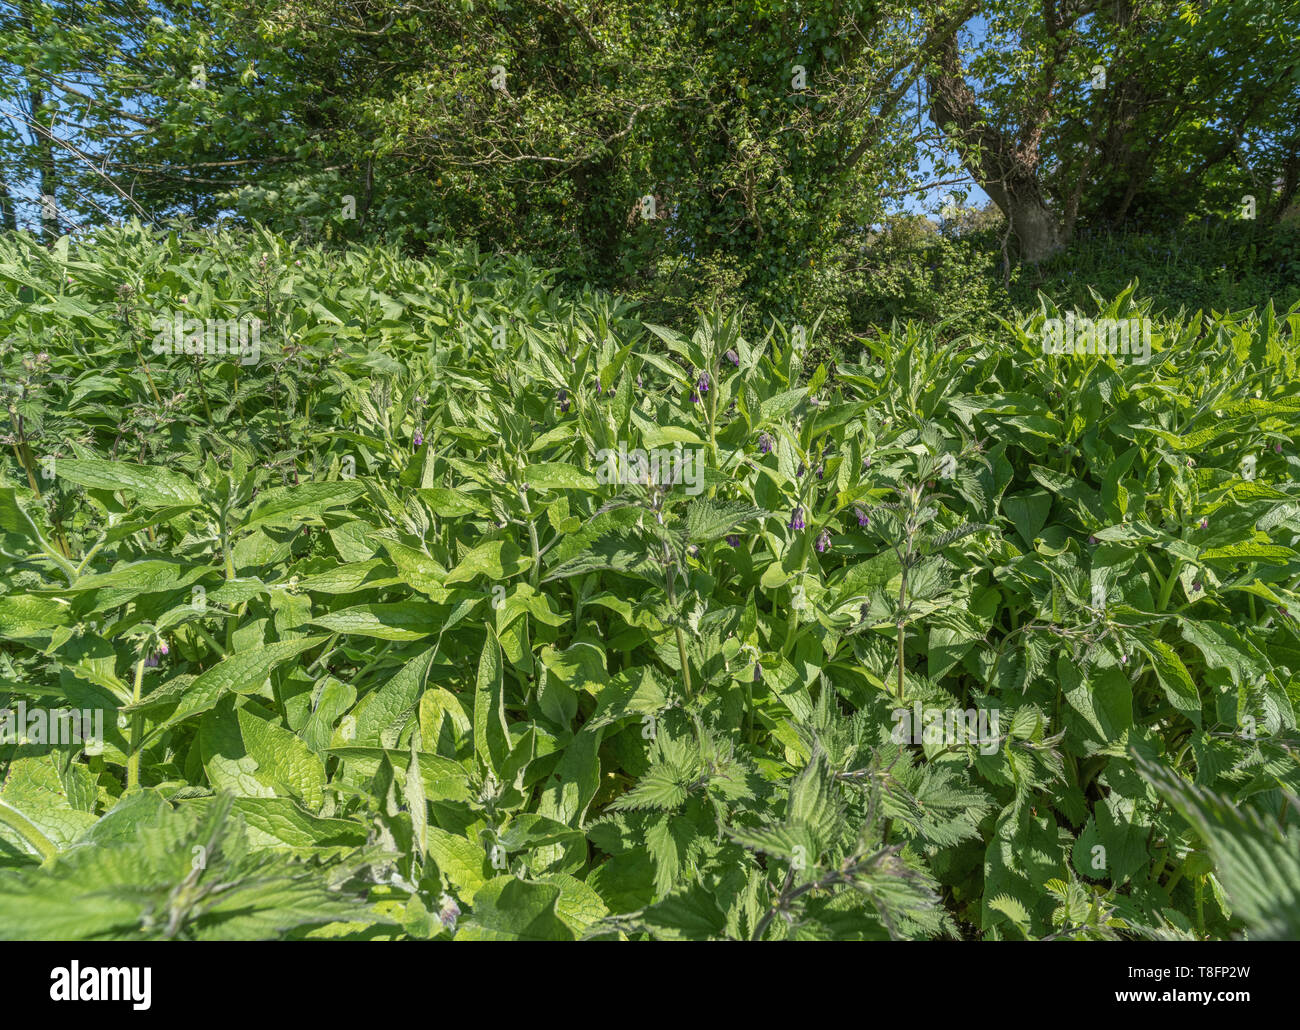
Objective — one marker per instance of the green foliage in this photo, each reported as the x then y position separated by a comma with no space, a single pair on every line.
1205,266
370,623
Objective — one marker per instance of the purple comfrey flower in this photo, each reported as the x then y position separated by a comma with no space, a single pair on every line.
599,391
734,358
162,647
764,444
866,462
863,518
1205,523
695,397
1123,659
563,398
821,471
1277,448
733,540
448,911
823,541
1092,539
801,470
1196,586
758,673
702,384
419,439
796,518
151,662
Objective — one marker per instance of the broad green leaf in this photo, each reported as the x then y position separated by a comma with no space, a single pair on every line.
153,487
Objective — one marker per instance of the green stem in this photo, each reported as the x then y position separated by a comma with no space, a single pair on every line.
535,571
137,726
1167,588
670,574
208,639
91,553
49,550
902,633
15,820
28,460
712,408
681,654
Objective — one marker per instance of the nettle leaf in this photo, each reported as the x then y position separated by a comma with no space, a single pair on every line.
129,887
1257,861
707,521
1175,679
672,841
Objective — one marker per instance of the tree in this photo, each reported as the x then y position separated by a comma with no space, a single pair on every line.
1082,109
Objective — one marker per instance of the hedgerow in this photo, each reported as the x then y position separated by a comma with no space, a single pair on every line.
451,603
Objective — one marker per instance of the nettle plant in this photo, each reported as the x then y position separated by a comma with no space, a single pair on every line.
479,608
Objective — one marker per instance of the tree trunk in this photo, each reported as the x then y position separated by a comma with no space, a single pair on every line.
8,215
1007,174
43,145
1032,222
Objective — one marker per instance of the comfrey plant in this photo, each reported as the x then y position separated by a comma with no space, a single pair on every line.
923,570
389,657
1130,337
661,466
212,337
